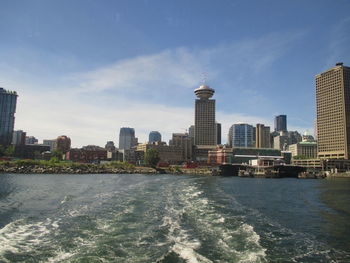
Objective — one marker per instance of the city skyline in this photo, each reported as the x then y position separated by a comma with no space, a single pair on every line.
86,70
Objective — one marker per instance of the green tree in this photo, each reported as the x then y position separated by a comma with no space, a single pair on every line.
2,150
54,160
9,151
57,154
299,157
151,157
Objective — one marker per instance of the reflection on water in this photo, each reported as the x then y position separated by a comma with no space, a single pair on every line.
335,193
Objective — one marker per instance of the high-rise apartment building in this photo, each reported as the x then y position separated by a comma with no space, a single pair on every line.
191,131
127,138
218,133
262,138
154,136
205,126
185,142
281,123
241,135
19,137
333,112
8,101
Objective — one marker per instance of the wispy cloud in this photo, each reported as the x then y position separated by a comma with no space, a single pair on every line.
339,42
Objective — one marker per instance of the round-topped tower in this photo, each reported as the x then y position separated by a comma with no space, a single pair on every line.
204,92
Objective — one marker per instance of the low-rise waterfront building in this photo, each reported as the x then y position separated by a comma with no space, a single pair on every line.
170,154
30,151
110,146
242,155
114,155
51,143
221,155
87,154
326,165
31,140
304,149
201,153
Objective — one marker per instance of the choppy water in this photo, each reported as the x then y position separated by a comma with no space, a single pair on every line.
168,218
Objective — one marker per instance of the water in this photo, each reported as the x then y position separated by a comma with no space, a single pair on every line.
169,218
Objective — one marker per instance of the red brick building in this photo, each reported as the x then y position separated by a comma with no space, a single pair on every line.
87,154
63,143
219,156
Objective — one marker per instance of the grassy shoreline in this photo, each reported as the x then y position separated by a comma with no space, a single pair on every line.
61,167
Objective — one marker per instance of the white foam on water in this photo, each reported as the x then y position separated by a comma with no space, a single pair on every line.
195,194
211,222
22,237
183,244
219,220
60,256
67,198
187,253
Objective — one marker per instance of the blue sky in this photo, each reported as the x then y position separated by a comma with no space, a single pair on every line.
86,68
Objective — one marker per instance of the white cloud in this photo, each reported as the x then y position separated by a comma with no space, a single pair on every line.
172,68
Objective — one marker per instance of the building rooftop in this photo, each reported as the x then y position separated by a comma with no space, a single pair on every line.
308,143
337,65
204,92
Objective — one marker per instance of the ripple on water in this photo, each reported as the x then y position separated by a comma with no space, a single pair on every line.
170,219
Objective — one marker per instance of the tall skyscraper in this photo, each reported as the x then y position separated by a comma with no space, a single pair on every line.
262,138
333,112
205,126
218,133
19,137
154,136
281,123
8,101
191,131
127,138
241,135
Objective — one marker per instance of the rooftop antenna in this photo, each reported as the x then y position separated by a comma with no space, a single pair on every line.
204,78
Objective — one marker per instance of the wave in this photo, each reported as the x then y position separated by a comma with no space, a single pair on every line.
23,238
195,225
